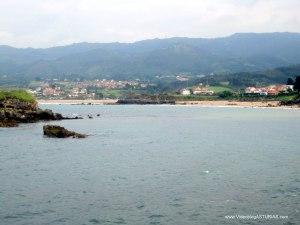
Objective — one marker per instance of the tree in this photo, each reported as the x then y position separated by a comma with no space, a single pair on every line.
226,94
290,81
297,84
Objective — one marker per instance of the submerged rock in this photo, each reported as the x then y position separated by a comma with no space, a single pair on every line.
60,132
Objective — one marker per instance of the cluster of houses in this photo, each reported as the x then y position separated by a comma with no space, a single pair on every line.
110,84
55,89
76,92
269,90
48,91
199,90
182,78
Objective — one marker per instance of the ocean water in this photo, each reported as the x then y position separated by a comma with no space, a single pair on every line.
169,165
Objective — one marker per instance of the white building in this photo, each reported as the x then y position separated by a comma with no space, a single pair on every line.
185,92
202,90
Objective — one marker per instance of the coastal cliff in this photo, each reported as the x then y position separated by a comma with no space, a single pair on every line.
20,107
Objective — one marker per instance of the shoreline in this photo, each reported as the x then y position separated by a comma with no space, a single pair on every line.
217,103
77,102
237,104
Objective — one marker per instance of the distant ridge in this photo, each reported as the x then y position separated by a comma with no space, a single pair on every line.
149,58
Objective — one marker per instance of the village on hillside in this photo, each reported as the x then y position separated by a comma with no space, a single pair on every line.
115,89
88,89
271,90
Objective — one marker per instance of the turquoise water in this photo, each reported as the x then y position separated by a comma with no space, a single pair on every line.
140,165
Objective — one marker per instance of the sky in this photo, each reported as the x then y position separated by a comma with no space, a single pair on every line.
46,23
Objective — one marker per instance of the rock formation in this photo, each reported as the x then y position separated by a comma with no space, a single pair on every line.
60,132
14,111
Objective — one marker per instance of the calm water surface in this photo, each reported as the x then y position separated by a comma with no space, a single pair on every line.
168,165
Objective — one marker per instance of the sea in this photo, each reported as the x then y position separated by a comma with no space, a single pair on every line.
154,164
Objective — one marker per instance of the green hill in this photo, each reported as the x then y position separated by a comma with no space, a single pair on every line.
147,59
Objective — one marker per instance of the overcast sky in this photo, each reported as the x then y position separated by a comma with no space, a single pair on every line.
44,23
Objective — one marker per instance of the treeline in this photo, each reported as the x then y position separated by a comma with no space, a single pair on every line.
246,79
234,80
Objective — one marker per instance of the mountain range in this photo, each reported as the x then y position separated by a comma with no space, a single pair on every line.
150,58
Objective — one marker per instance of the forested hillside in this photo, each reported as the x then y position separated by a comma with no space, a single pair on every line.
245,52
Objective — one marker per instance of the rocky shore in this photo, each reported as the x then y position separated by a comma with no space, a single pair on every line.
14,111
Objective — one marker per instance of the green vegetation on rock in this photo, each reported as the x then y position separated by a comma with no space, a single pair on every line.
19,94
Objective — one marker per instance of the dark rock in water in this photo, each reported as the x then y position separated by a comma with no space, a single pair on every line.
90,117
8,123
98,114
60,132
73,118
13,112
144,102
47,114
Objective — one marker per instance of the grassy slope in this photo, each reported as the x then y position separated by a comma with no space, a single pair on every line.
19,94
219,89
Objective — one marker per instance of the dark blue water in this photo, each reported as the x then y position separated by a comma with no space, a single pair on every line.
153,165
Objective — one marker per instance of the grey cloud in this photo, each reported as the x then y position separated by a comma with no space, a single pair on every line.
46,23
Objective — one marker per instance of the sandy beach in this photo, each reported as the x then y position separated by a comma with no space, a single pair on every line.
224,103
78,102
242,104
231,103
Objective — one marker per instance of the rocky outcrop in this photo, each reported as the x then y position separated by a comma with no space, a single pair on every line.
60,132
13,112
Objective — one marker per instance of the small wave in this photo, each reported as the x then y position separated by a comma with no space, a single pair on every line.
176,205
119,221
94,221
156,216
140,206
26,214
